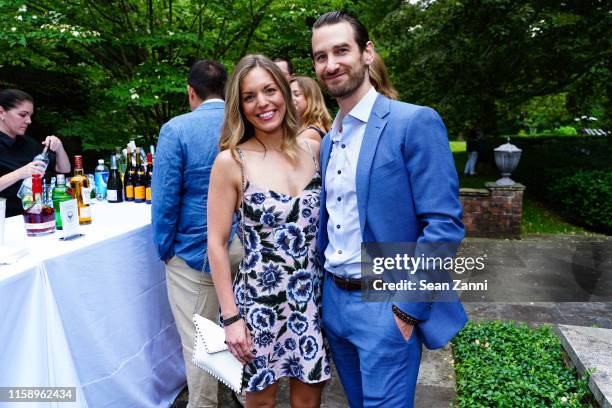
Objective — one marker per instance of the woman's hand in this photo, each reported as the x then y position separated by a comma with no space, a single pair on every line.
53,143
31,168
239,341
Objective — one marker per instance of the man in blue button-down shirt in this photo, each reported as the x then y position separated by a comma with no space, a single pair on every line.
388,176
186,150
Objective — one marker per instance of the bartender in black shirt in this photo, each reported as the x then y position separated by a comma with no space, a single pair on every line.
17,150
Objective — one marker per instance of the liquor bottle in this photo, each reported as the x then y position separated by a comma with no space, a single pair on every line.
79,184
101,178
128,178
114,192
148,192
39,218
139,183
60,193
25,191
43,157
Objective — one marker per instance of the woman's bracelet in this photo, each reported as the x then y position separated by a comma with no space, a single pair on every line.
230,320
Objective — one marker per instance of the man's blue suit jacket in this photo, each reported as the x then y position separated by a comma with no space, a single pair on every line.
407,191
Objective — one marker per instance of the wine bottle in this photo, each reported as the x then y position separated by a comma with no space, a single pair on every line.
39,218
128,179
148,192
60,193
139,183
79,184
114,192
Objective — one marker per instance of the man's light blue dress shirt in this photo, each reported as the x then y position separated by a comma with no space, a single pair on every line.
343,253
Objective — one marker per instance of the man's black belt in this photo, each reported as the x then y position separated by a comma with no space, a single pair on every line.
350,284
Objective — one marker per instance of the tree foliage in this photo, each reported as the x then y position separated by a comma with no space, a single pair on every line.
470,58
109,71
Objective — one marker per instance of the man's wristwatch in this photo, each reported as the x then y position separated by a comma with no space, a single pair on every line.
230,320
404,317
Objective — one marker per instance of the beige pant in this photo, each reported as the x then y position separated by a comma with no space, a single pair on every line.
183,284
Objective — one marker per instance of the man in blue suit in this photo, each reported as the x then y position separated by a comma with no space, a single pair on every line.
186,149
388,176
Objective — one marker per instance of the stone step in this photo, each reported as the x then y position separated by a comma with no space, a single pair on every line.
591,348
435,385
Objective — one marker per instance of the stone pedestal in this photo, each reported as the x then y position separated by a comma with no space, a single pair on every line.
494,211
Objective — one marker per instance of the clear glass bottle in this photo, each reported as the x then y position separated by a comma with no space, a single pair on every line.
39,218
121,161
79,185
25,191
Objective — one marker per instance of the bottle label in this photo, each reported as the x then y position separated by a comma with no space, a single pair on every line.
86,195
139,193
84,212
101,178
129,192
111,195
40,226
148,194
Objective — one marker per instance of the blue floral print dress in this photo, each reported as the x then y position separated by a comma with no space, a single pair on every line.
278,289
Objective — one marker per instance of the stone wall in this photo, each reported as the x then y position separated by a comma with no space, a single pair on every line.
494,211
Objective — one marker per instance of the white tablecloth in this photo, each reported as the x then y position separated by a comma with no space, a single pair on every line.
91,313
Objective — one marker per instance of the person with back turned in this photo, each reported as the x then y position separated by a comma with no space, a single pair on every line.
186,149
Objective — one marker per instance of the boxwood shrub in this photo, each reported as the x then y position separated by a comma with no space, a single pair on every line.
502,364
586,198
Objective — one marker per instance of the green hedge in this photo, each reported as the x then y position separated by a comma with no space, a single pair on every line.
586,198
549,167
501,364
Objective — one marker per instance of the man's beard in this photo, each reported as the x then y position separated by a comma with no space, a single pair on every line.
355,79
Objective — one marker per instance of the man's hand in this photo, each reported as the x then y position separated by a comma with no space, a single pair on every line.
404,328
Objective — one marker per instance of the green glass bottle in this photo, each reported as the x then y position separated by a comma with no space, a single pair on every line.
60,193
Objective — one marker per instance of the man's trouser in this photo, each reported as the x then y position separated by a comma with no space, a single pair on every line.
377,367
183,285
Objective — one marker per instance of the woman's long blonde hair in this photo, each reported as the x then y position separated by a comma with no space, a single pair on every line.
380,78
316,113
236,129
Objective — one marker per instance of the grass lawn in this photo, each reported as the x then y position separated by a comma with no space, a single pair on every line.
457,147
537,219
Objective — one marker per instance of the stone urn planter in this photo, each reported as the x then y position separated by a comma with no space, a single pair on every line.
507,157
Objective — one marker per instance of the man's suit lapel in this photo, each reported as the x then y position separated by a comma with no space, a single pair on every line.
324,158
374,128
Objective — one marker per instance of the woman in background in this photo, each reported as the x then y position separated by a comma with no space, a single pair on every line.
17,149
380,78
310,105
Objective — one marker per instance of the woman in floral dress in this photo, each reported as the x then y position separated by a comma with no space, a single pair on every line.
270,179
